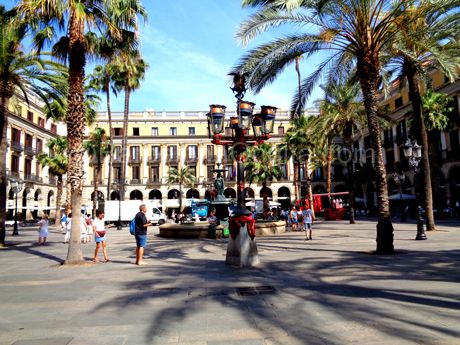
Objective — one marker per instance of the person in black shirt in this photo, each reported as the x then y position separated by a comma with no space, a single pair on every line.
141,233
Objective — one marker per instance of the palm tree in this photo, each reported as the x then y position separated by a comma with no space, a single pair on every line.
351,34
101,80
128,71
262,166
98,147
427,37
29,74
182,177
48,17
341,111
57,163
297,144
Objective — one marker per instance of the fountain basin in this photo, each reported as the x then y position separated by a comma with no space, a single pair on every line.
188,230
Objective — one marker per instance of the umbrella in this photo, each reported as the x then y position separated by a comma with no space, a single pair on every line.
401,196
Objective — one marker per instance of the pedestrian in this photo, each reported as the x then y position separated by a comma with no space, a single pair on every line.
89,227
308,219
212,220
300,219
63,223
43,229
100,235
68,227
141,234
293,218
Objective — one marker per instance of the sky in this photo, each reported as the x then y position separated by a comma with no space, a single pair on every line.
190,47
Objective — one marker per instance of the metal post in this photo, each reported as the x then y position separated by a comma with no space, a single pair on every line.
420,226
119,210
15,228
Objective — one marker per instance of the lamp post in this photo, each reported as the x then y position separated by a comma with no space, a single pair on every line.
413,153
119,187
17,188
262,126
399,179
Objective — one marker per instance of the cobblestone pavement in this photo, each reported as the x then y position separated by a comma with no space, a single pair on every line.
331,290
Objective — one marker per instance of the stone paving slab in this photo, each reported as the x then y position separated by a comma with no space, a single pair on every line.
328,291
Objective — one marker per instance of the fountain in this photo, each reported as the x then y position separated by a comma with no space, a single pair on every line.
220,202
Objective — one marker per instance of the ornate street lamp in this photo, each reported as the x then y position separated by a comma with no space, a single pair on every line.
17,188
413,153
239,139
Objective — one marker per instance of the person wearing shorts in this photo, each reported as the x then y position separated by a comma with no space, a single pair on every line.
100,235
307,215
141,234
293,218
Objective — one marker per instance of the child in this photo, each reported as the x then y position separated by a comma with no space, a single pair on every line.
43,230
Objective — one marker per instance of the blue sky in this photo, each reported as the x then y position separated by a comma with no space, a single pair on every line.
190,46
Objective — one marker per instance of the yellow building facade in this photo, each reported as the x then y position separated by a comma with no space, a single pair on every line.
159,141
28,133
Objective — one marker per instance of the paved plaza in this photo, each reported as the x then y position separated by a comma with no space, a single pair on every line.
331,290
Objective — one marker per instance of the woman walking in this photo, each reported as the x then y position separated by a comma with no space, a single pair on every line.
43,230
100,233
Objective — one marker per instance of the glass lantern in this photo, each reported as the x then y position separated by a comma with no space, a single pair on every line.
245,109
417,150
268,116
257,125
407,149
216,118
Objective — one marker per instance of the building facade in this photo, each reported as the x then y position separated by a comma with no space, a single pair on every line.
159,141
28,134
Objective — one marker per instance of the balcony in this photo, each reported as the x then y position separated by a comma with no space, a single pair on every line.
33,178
154,160
52,180
135,181
172,159
29,150
191,159
227,159
116,161
17,146
12,174
210,159
135,160
153,182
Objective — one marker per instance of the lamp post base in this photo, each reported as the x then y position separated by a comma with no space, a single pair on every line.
420,230
242,251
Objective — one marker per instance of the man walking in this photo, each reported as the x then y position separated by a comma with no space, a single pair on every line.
141,234
307,216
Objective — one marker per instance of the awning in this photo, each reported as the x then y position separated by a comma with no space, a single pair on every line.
171,203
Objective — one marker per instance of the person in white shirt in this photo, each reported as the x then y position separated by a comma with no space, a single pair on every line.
100,233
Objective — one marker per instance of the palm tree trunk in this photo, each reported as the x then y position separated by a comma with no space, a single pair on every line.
75,132
3,177
348,142
96,186
109,113
368,74
421,135
296,180
309,187
124,144
180,197
299,84
58,197
328,166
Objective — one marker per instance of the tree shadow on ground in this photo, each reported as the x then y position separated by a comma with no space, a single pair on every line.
371,294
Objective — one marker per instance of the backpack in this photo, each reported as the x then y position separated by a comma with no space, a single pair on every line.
132,226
